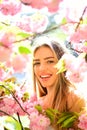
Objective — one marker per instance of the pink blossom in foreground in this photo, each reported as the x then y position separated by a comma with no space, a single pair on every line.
9,105
83,122
38,121
6,105
10,7
31,103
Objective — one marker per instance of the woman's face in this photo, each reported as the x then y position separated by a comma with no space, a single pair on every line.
44,66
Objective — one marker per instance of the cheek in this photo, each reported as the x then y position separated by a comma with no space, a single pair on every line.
55,70
35,70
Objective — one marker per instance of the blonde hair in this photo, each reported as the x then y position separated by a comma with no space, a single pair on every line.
59,97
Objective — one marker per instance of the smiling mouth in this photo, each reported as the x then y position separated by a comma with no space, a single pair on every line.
45,76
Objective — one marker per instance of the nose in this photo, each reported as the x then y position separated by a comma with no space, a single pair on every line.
43,67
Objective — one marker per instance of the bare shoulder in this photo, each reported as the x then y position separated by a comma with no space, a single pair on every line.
75,102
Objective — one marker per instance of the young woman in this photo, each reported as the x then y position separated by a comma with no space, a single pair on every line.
53,88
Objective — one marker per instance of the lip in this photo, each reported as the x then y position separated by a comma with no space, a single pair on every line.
45,77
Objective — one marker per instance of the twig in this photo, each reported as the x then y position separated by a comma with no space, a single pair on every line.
7,114
15,99
20,121
81,18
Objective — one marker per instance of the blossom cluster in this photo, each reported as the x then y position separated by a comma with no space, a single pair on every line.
75,67
15,99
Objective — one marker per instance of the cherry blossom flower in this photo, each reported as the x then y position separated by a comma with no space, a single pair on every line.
18,62
35,23
80,47
7,39
31,103
79,35
76,70
42,124
75,67
83,122
76,64
50,4
38,22
7,54
68,61
23,23
74,76
8,103
8,7
69,8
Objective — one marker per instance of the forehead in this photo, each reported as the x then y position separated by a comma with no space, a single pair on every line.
43,51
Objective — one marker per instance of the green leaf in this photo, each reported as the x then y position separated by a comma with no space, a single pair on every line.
66,119
24,50
63,118
50,114
69,122
11,124
54,111
61,66
6,87
24,120
84,20
85,43
64,21
23,34
25,96
39,108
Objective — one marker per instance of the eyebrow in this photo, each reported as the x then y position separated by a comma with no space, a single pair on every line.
44,58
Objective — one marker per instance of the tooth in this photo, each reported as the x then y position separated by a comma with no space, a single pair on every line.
45,76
